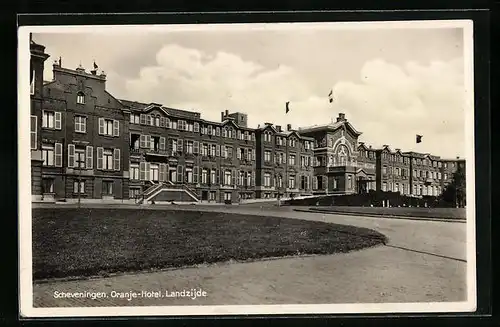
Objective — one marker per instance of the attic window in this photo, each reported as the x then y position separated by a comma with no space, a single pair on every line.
80,98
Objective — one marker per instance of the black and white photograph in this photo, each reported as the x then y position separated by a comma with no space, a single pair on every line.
257,168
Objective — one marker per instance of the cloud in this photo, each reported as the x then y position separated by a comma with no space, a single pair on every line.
389,103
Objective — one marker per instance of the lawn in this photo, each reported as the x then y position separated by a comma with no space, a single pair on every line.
70,242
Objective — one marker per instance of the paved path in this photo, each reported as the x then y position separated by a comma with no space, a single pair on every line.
424,262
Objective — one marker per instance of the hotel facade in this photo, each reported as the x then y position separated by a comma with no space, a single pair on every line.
87,144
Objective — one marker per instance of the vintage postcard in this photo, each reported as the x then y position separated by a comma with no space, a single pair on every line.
296,168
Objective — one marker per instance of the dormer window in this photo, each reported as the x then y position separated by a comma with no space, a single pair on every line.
80,98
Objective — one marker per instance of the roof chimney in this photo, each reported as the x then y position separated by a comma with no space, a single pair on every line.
278,128
458,157
385,146
370,147
288,127
222,116
227,112
341,117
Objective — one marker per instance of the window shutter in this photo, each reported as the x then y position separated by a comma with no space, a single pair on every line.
71,155
162,121
142,141
252,178
58,153
161,175
315,183
196,127
148,141
162,143
195,174
100,155
238,153
142,119
101,126
167,122
34,133
253,154
217,176
83,124
147,175
142,171
233,173
217,150
180,146
196,147
89,157
116,159
57,120
217,131
179,173
116,128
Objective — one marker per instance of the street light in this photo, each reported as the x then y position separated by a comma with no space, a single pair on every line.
79,162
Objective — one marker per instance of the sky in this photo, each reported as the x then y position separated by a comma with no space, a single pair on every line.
391,83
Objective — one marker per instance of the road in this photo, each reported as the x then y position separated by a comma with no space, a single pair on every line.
424,261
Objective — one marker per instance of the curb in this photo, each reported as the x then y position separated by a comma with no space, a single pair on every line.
363,214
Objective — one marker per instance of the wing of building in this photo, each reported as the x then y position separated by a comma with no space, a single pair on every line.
88,145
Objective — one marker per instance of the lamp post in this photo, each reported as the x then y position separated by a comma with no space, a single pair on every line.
79,162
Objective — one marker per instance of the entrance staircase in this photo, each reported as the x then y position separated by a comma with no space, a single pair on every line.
167,192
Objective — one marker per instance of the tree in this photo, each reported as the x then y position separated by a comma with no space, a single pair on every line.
455,192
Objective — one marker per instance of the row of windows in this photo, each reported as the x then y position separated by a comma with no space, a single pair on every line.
277,181
279,158
156,120
417,189
292,142
79,187
156,143
161,172
81,157
53,120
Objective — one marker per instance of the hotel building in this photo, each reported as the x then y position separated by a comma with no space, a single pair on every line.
88,144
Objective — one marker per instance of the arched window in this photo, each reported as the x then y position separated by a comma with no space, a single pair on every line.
80,98
342,154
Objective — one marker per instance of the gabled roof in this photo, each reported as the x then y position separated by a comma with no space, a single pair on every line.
331,126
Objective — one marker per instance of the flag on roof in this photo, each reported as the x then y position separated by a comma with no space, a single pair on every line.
287,109
330,96
95,65
419,138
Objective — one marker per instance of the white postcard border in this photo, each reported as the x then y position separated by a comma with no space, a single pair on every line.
25,207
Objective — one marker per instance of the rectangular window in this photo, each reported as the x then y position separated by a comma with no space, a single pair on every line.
267,179
109,127
107,188
80,98
80,124
48,155
267,156
189,147
33,133
204,176
80,158
79,187
227,177
291,182
47,185
134,171
107,156
48,119
291,161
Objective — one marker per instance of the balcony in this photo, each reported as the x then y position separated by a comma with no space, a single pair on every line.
158,152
